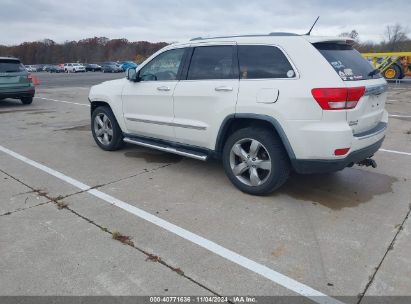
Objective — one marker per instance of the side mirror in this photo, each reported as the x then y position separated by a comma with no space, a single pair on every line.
132,75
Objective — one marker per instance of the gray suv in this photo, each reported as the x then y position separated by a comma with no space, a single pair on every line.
15,81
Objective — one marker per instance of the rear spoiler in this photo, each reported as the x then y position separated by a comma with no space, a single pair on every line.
323,39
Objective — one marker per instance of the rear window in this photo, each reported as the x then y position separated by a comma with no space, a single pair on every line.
11,66
347,61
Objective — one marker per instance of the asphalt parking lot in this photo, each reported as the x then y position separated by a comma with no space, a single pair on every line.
181,227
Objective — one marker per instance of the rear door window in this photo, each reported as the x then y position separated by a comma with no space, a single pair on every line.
11,66
347,62
258,62
212,62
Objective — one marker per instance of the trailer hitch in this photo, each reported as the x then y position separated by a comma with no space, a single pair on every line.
368,162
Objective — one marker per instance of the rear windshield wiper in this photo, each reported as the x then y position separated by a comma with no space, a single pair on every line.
373,72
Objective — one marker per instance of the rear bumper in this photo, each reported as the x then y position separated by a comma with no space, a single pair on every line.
18,93
308,166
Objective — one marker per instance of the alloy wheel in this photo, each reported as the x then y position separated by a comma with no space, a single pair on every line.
250,162
103,129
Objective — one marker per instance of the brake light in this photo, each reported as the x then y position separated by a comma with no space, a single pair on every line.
338,98
30,78
339,152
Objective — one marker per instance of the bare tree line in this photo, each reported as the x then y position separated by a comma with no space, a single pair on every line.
97,49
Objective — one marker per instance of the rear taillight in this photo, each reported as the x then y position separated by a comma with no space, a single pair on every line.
342,151
30,78
338,98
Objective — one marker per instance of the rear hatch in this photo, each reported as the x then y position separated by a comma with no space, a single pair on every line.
13,75
357,72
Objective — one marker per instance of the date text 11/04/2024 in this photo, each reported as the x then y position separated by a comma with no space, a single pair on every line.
202,299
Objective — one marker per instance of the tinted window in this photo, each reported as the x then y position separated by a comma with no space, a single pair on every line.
346,61
163,67
212,62
11,66
263,62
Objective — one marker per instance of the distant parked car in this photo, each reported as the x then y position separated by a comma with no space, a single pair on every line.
92,67
15,81
47,67
74,68
31,68
127,64
55,69
111,67
39,67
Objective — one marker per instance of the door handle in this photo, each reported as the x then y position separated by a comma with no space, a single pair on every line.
163,88
223,89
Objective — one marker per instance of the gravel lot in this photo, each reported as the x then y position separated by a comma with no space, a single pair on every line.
343,234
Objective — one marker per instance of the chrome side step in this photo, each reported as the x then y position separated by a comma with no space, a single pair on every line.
165,148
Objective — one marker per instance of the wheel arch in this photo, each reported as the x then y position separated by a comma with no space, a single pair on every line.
238,121
97,103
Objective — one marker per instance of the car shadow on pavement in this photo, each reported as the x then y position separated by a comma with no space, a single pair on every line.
347,188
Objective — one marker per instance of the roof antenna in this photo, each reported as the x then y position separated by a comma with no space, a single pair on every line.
309,32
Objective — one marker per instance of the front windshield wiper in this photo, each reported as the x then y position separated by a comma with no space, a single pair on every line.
373,72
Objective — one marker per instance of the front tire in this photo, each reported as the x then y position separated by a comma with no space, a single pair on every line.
255,161
26,100
106,131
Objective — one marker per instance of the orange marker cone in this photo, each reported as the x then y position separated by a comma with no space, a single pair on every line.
35,81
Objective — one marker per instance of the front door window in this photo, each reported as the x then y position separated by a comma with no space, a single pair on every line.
163,67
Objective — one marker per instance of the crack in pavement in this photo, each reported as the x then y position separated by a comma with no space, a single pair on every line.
61,197
33,190
130,176
22,209
390,247
150,256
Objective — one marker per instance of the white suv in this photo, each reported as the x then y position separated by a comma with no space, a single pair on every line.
74,68
264,104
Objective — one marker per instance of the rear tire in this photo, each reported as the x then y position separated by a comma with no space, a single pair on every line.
259,170
26,100
106,131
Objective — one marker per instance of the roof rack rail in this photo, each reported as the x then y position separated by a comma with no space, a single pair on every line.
282,34
252,35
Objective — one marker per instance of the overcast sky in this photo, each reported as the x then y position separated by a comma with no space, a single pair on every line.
178,20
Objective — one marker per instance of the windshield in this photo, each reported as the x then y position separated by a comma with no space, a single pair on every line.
11,66
347,61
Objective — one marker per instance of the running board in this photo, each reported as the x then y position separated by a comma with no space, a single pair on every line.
165,148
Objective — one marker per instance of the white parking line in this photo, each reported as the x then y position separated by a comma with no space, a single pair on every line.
396,152
232,256
63,101
397,115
